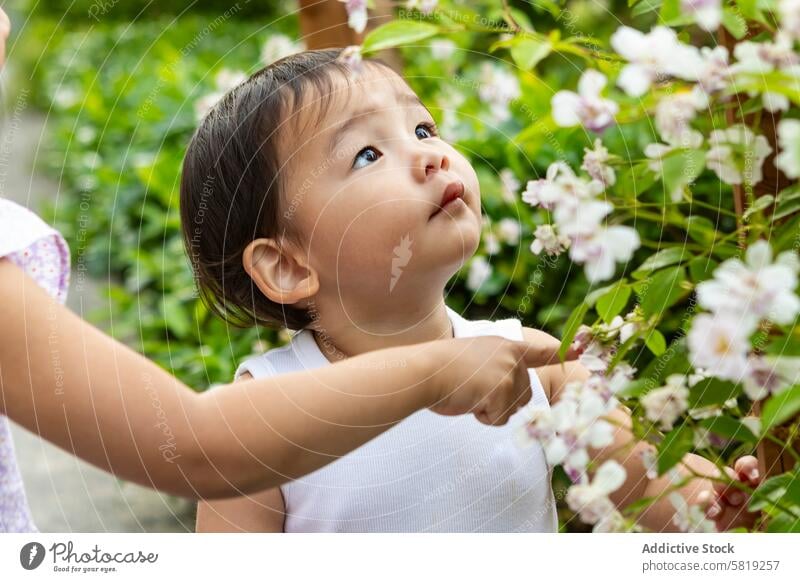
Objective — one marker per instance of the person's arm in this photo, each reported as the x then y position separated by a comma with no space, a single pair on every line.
260,512
87,393
627,451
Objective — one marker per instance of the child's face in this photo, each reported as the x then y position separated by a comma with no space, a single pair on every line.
366,189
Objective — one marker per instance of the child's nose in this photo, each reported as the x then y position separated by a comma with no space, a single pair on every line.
428,162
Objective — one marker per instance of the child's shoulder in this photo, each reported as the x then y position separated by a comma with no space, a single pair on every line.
271,362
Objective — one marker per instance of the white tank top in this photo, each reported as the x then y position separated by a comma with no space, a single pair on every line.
428,473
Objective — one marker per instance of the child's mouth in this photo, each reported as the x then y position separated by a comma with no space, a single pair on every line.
453,194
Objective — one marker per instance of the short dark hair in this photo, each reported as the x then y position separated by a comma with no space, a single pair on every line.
233,183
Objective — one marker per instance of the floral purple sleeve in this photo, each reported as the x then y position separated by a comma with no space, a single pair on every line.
42,254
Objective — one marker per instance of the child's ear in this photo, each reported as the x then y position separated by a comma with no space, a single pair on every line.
280,271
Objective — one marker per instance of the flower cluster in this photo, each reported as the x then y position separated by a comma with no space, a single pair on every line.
740,297
579,215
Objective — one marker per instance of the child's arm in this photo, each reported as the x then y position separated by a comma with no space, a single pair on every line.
628,452
261,512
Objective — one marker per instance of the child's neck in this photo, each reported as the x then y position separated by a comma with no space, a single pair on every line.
341,333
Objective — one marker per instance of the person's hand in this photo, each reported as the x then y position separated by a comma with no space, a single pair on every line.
727,505
5,30
487,376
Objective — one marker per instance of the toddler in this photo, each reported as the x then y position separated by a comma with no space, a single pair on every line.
318,196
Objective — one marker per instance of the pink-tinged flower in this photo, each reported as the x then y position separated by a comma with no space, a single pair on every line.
706,13
560,186
548,240
789,11
351,56
509,184
591,501
756,289
737,155
715,73
586,107
788,160
665,405
498,88
658,54
356,14
690,518
720,345
674,115
424,6
760,58
763,378
600,252
595,163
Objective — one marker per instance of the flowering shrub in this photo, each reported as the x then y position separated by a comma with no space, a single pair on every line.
690,254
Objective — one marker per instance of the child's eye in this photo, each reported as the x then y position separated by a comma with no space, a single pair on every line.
425,130
366,156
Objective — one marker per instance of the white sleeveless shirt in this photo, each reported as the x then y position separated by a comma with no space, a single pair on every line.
428,473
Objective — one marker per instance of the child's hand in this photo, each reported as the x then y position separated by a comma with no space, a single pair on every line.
727,505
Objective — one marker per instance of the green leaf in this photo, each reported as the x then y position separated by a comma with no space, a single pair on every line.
702,268
701,229
681,168
712,391
784,523
780,407
528,51
788,203
662,258
770,491
655,342
675,445
735,24
788,345
176,318
673,361
761,203
571,327
670,9
730,428
612,303
645,6
396,33
662,291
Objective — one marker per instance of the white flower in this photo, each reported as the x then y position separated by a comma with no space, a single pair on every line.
424,6
650,463
737,154
277,47
546,239
674,115
509,231
755,289
789,11
509,184
706,13
600,252
591,501
759,58
690,518
356,14
763,378
497,89
612,522
788,160
651,56
714,70
595,163
479,272
666,404
581,218
227,79
586,107
442,49
491,244
559,187
720,345
351,56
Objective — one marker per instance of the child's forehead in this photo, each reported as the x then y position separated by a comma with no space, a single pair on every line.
324,108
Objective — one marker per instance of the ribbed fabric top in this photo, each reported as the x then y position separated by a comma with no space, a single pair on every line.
429,473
